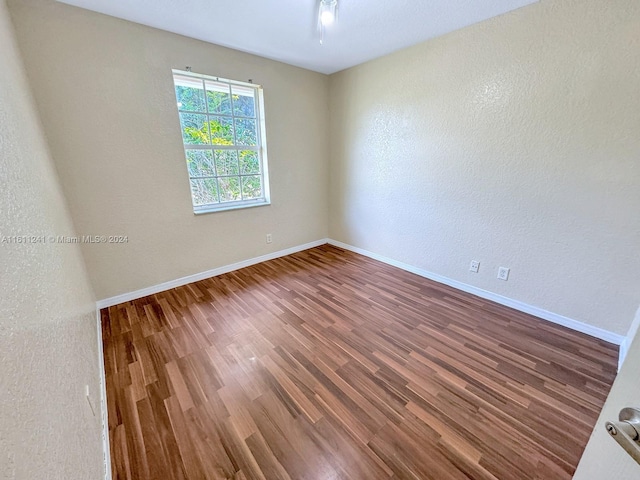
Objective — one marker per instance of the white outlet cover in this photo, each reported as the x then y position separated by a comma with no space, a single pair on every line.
474,266
503,273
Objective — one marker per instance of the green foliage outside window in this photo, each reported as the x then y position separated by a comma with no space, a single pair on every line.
220,119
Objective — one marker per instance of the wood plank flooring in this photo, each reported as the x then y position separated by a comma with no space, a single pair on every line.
329,365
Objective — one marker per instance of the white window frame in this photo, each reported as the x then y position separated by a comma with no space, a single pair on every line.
260,148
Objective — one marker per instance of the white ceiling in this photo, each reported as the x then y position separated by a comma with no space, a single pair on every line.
286,30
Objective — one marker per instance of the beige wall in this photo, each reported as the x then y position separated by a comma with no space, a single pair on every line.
48,345
604,458
105,94
514,142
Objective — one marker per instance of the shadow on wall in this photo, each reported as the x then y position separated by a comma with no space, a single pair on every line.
631,334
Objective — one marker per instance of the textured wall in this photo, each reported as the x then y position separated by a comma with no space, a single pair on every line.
513,142
604,458
48,345
105,94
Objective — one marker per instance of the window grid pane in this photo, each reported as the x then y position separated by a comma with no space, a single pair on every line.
218,97
219,123
195,129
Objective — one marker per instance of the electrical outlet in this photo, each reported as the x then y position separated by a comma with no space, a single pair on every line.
269,238
503,273
475,266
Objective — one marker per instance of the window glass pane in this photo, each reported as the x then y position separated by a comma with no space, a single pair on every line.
243,101
249,162
218,98
200,163
195,129
229,189
204,191
246,132
223,147
221,130
251,187
190,94
227,162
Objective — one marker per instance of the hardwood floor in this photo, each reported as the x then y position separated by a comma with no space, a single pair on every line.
328,365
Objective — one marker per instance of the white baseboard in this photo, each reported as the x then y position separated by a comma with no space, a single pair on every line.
103,402
576,325
144,292
515,304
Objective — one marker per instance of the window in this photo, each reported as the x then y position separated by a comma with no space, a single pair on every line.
222,127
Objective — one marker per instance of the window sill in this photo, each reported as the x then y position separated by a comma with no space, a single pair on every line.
237,206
